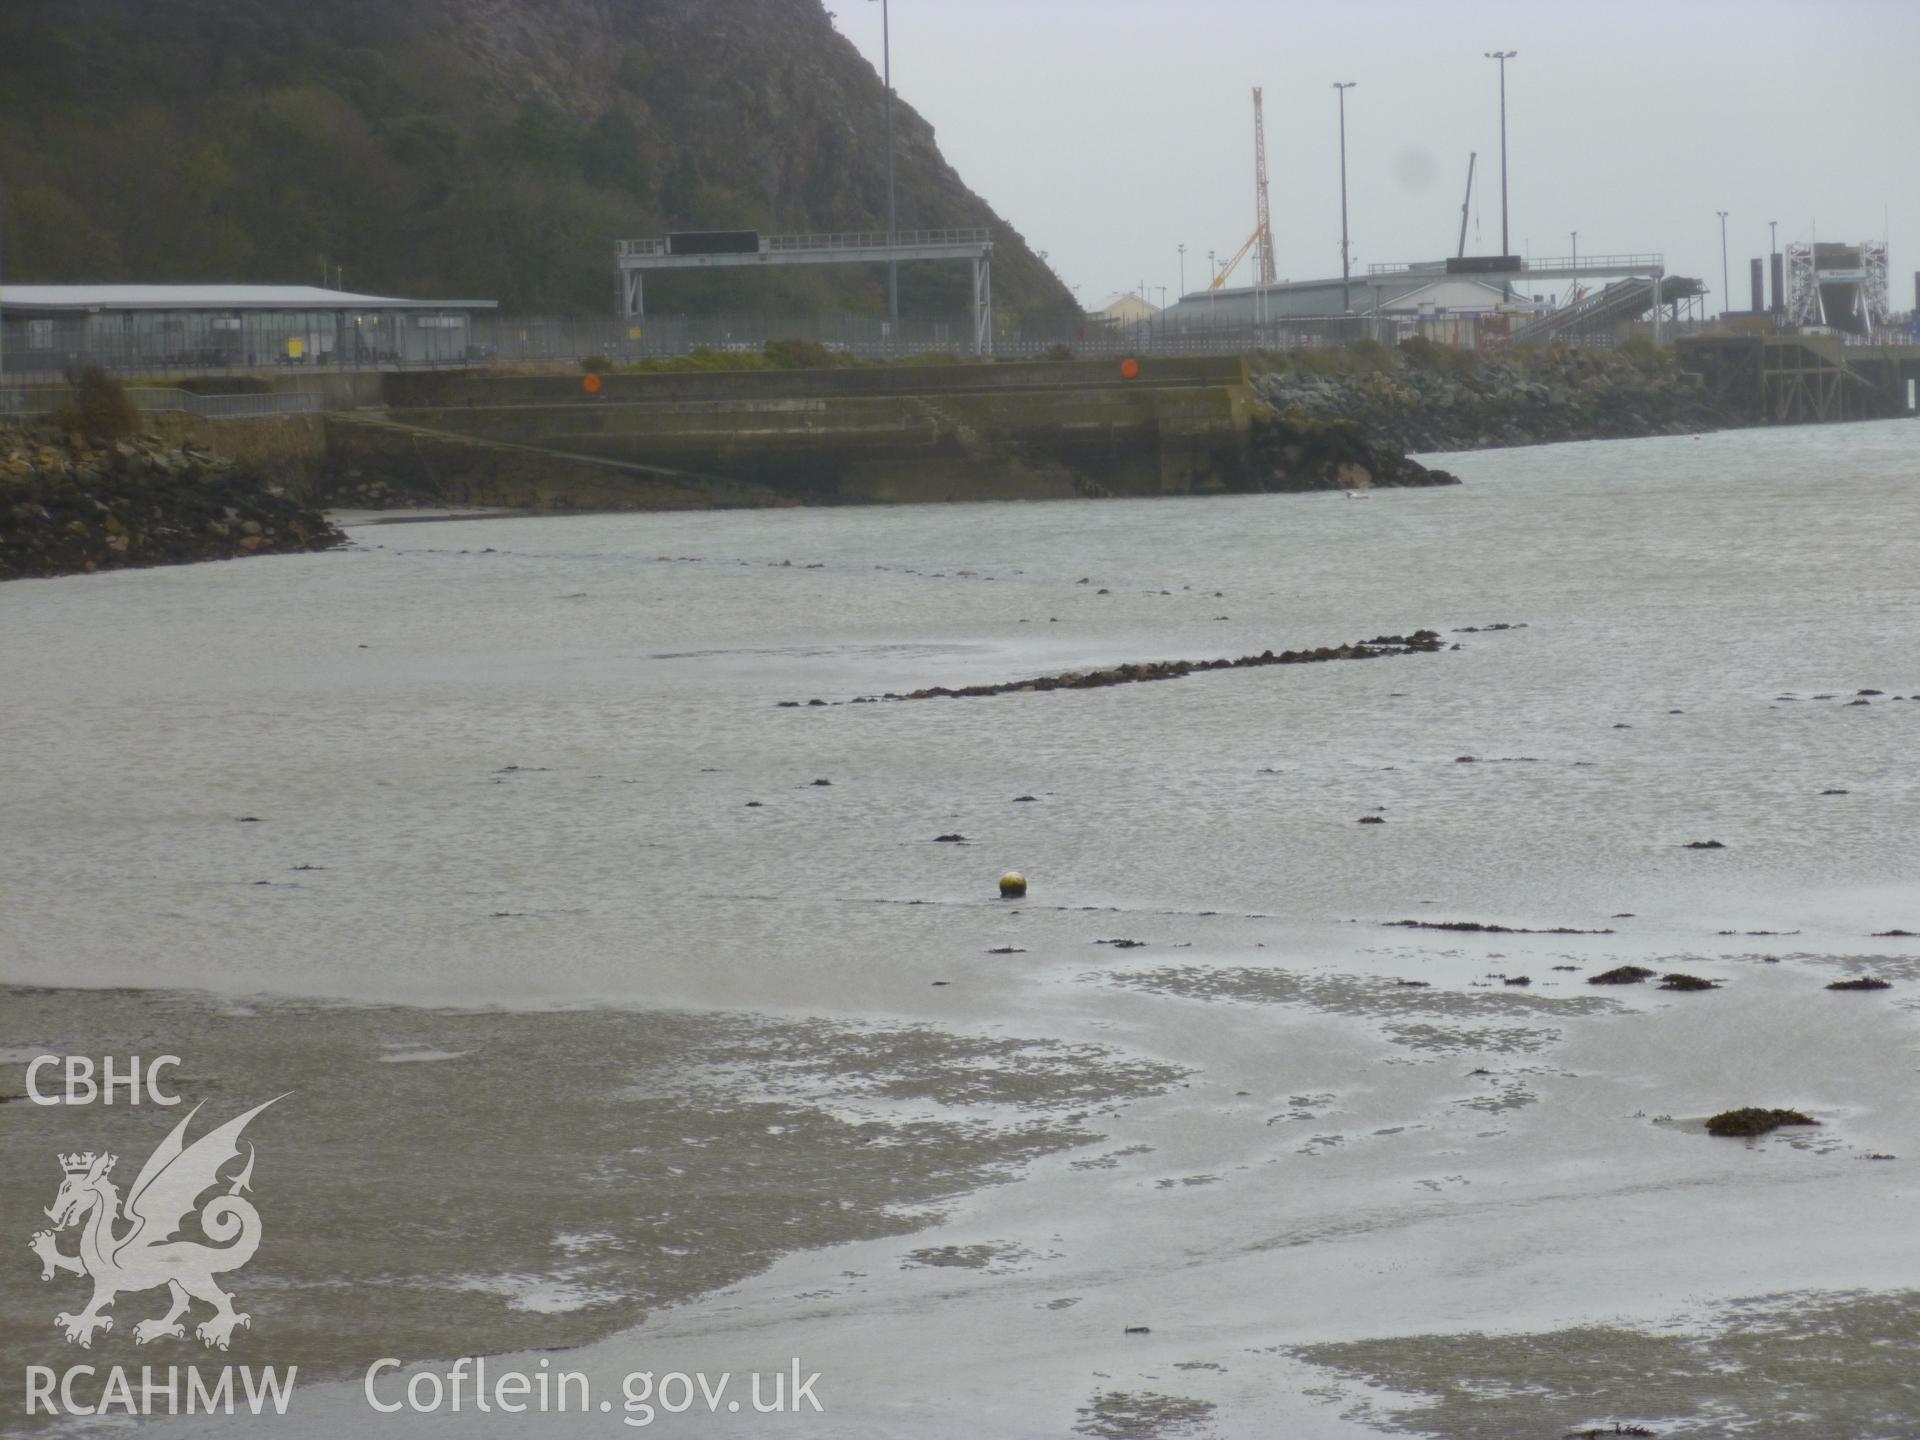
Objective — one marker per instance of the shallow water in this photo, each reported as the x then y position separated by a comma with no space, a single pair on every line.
519,755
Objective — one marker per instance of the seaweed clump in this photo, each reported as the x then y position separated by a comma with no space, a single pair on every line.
1678,981
1865,982
1621,975
1753,1120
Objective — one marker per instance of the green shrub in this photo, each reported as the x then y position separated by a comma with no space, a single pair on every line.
596,364
1315,360
100,408
1440,359
1370,354
803,355
1644,353
1058,353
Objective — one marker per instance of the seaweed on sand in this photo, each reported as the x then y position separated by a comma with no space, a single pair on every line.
1621,975
1752,1120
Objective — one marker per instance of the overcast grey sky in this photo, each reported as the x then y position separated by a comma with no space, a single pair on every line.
1111,131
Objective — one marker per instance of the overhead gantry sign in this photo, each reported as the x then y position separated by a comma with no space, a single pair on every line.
721,248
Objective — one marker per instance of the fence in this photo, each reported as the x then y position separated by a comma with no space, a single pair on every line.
533,341
558,340
154,400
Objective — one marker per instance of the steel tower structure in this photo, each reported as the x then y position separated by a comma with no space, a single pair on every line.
1262,237
1262,217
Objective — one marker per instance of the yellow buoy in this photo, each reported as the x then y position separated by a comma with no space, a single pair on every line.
1012,885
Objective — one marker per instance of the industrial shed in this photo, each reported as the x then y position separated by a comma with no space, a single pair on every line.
48,329
1409,296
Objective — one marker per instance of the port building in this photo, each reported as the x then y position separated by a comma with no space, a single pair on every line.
50,329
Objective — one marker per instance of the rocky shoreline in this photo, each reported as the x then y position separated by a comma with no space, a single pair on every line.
73,505
1296,451
1425,398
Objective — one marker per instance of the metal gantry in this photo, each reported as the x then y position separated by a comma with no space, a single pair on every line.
973,245
1854,275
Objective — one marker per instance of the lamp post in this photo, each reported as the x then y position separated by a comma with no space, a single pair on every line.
1503,56
3,318
1725,293
1346,265
1212,294
1773,260
1576,249
1183,268
893,218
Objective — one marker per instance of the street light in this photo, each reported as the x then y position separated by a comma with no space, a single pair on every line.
1183,268
893,219
1503,56
1773,251
1725,292
3,352
1576,249
1346,263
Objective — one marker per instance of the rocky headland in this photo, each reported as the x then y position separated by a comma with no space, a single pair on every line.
1424,398
70,504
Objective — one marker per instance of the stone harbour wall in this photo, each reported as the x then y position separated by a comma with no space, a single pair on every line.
70,504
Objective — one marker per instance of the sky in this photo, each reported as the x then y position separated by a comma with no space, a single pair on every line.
1110,132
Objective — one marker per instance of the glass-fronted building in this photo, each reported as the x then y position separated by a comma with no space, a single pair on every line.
50,329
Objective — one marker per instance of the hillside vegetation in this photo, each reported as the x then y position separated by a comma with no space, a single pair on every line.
488,149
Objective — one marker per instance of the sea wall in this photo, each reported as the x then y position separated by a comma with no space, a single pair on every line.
882,435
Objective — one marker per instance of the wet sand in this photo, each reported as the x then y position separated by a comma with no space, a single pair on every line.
635,1072
536,1180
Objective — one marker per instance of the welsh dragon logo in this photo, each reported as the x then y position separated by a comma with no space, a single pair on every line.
145,1255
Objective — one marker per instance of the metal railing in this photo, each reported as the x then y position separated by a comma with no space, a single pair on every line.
832,240
1898,330
1597,264
1644,260
873,239
1622,300
157,400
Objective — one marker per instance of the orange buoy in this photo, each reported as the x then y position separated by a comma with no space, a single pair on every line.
591,384
1129,369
